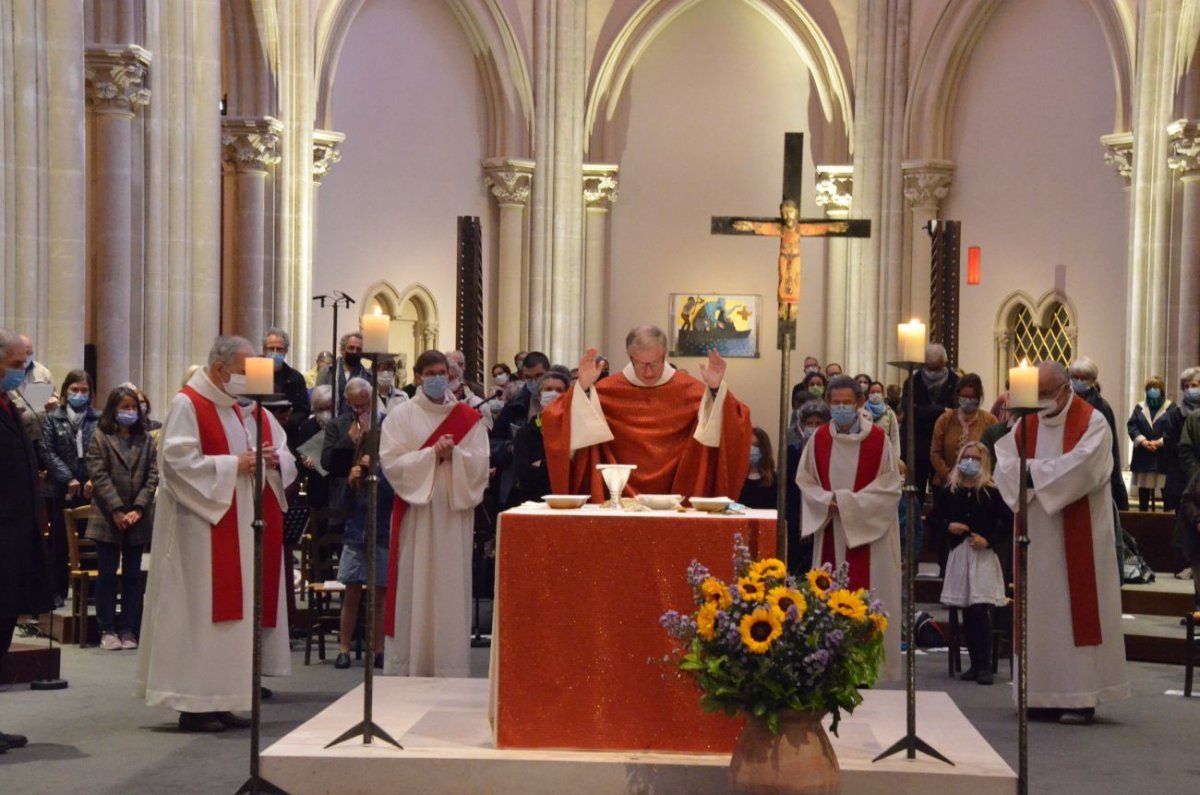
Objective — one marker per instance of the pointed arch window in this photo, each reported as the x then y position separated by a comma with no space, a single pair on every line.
1034,330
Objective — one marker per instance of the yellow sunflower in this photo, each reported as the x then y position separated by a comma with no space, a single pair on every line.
847,604
751,589
759,628
781,598
768,567
706,621
879,622
820,581
715,591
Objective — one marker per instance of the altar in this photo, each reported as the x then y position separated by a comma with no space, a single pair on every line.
579,659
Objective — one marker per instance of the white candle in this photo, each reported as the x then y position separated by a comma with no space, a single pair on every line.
912,341
375,332
260,375
1023,386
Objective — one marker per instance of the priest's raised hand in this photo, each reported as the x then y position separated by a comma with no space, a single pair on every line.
713,370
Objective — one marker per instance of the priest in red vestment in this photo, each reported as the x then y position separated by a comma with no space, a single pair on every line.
686,436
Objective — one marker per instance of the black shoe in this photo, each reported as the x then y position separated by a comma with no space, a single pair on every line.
200,722
984,678
342,662
266,693
379,660
1044,713
231,721
970,675
14,740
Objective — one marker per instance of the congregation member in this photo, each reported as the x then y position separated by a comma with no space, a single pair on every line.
974,516
289,382
815,384
1187,453
434,451
390,393
323,362
197,633
761,487
35,373
811,416
471,392
811,365
832,369
349,365
1187,520
1076,652
883,416
864,382
1145,427
1084,375
534,364
122,463
997,430
24,587
934,388
849,487
66,435
1177,415
342,434
529,446
686,436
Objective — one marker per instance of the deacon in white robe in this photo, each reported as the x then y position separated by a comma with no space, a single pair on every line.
185,660
1061,674
432,588
865,519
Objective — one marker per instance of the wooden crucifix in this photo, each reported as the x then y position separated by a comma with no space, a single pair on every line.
789,228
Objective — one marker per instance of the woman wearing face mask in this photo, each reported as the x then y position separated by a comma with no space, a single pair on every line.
123,466
884,417
814,385
66,436
760,488
810,416
1145,426
971,511
529,449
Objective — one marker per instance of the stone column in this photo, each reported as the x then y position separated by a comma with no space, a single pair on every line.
250,148
1184,160
835,185
510,181
115,83
599,193
926,183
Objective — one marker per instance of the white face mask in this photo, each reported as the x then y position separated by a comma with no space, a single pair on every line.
324,416
501,379
1046,407
236,384
548,397
386,379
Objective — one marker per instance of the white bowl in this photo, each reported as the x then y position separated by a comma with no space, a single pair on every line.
710,504
566,500
660,502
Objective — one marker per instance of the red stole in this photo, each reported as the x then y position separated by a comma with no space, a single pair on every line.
870,456
1077,531
458,423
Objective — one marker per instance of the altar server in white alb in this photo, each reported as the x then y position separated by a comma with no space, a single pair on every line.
197,635
850,486
1076,648
434,452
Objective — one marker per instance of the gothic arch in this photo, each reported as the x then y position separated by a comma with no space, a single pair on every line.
929,117
1052,306
789,16
507,89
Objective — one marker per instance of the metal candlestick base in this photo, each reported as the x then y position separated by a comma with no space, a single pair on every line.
910,743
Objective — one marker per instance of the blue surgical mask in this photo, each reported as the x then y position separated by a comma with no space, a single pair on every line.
1192,393
77,401
968,405
755,456
1153,394
434,387
970,467
808,432
127,418
13,378
843,415
1080,386
278,359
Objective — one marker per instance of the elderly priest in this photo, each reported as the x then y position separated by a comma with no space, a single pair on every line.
686,436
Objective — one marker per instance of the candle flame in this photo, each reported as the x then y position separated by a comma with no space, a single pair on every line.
378,310
1025,362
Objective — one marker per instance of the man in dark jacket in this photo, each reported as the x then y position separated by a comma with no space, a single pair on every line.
1084,373
289,381
515,413
24,586
349,364
933,388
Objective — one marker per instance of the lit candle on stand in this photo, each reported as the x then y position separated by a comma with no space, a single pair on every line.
375,332
1023,386
260,375
912,341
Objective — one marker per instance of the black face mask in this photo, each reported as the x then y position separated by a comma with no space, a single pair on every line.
353,359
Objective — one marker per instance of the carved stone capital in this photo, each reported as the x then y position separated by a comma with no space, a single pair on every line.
599,185
835,189
510,180
1118,153
1184,157
250,144
115,79
326,151
927,182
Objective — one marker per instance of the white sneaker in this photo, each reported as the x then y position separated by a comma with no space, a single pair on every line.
110,642
128,639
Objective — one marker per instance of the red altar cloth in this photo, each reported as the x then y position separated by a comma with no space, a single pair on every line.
578,650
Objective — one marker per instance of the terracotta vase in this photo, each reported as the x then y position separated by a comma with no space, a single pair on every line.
800,759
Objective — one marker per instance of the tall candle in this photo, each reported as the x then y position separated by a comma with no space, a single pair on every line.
260,375
1023,386
912,341
375,332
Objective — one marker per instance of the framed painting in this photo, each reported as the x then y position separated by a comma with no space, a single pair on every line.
728,323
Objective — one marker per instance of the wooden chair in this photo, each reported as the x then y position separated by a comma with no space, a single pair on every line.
1189,651
81,556
324,612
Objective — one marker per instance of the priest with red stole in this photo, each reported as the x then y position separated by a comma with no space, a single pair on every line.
197,634
1076,645
850,490
685,436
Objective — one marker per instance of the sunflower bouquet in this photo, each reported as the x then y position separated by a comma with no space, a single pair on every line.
770,642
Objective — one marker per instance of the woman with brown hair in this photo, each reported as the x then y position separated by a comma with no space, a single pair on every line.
760,488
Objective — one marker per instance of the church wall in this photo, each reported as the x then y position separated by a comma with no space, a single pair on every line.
705,110
1031,186
408,98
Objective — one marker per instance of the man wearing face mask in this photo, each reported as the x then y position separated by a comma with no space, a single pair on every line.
289,382
1084,375
934,388
532,479
349,365
850,485
197,633
1076,648
434,452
